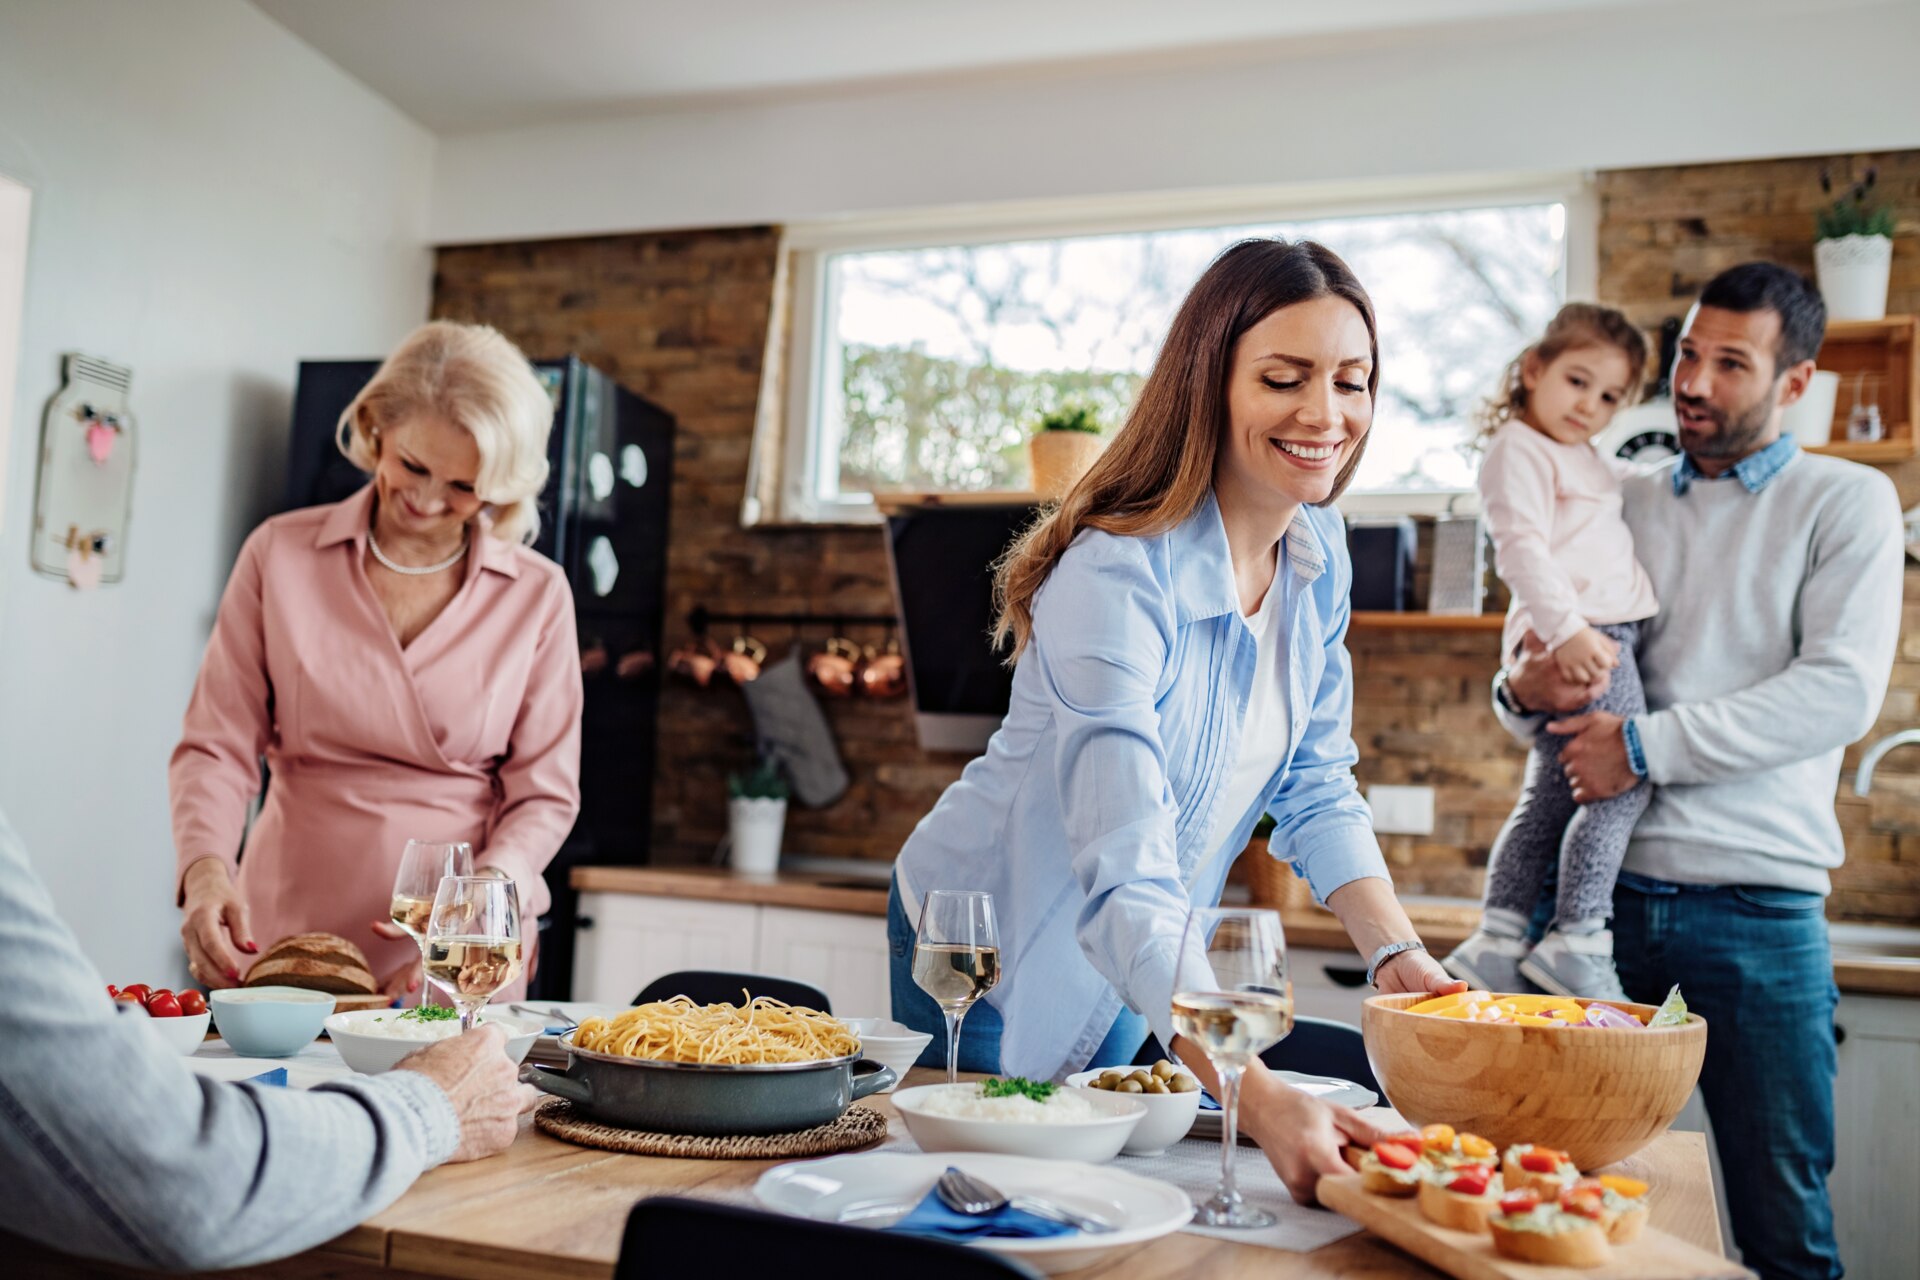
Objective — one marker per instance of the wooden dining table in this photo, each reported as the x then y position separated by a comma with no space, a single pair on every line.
547,1208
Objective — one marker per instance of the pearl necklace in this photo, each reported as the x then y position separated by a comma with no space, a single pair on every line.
415,571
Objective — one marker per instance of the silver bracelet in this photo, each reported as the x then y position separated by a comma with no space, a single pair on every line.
1387,951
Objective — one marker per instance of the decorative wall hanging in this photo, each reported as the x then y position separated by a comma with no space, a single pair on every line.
84,493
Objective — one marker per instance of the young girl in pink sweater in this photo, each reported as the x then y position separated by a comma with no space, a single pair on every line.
1552,504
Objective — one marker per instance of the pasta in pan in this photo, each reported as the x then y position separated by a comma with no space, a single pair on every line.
764,1030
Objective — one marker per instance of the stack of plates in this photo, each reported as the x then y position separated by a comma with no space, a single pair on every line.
560,1015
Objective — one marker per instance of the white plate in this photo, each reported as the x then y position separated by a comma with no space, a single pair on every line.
576,1010
1340,1092
1142,1208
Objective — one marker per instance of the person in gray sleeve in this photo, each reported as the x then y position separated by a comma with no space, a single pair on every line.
110,1148
1779,578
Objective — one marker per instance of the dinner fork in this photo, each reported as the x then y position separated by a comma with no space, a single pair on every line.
964,1193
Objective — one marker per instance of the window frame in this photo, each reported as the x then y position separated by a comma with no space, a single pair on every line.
807,383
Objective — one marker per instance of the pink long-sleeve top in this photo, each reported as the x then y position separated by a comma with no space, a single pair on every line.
1559,540
472,732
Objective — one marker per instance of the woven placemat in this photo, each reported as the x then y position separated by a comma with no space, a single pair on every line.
857,1127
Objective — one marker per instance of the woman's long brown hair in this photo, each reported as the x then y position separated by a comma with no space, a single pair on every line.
1160,465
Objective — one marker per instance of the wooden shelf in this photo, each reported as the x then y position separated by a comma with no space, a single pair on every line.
1886,350
1381,620
1897,447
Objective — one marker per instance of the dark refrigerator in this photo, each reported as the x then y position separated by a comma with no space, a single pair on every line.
603,519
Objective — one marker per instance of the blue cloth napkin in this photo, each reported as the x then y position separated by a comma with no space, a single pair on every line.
932,1218
277,1076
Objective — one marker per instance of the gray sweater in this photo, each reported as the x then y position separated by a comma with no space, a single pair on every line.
1779,613
110,1148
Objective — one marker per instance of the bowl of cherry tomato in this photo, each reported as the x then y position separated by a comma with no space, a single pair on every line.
179,1018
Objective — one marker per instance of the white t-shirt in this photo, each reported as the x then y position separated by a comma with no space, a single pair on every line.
1263,738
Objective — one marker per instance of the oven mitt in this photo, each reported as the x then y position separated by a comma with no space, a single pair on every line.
792,730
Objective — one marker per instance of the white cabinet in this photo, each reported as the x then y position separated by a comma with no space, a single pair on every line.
844,955
1327,984
1876,1176
635,938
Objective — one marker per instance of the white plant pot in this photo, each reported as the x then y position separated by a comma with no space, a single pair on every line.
1810,418
754,828
1853,272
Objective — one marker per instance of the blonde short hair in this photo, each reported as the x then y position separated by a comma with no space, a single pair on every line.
473,377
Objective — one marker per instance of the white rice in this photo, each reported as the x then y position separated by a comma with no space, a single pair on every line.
391,1026
964,1101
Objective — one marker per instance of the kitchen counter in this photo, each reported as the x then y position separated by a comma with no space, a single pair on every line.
808,891
547,1208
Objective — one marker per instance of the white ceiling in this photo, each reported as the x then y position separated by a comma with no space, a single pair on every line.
465,66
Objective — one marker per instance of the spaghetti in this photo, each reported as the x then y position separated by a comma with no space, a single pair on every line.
764,1030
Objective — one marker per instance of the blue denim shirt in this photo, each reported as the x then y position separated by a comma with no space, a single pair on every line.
1754,472
1093,816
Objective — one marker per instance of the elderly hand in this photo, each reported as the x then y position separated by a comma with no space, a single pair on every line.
1535,682
1300,1134
214,924
483,1084
1595,757
1415,971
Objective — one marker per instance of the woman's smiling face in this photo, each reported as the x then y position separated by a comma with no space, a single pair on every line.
1298,405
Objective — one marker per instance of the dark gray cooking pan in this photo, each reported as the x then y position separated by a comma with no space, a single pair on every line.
709,1099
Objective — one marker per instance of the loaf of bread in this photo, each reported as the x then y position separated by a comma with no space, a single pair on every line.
315,961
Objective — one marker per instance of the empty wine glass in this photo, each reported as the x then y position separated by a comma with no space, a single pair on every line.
473,941
1231,997
956,958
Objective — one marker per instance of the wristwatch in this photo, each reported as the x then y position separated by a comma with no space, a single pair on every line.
1503,694
1388,951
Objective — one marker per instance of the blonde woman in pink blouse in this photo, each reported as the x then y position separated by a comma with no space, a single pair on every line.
1552,504
405,664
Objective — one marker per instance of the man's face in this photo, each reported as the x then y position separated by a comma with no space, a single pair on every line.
1727,394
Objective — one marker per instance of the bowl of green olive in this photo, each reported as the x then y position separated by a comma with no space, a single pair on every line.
1172,1097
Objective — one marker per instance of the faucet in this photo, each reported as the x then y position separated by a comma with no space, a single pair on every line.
1864,777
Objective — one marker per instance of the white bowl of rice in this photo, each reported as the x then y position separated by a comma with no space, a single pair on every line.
1070,1124
371,1041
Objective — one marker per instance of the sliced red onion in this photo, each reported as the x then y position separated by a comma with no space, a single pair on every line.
1601,1015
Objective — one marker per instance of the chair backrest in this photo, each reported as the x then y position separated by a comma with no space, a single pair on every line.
711,986
671,1236
1323,1047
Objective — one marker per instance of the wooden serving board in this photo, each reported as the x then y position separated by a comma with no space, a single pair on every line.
1466,1256
351,1003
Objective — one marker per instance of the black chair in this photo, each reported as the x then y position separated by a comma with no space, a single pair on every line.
710,986
1317,1047
671,1236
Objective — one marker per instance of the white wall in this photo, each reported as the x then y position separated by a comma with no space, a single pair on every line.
212,200
1711,80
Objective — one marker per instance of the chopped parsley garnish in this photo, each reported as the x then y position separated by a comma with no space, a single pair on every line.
1017,1087
428,1013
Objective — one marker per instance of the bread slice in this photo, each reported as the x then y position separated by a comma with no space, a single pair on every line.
316,962
1459,1212
1625,1226
1584,1245
1384,1181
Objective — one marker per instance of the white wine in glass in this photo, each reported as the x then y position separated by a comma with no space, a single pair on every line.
1232,999
423,865
473,941
956,958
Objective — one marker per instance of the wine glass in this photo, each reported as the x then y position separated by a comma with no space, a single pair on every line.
473,941
956,958
423,865
1231,997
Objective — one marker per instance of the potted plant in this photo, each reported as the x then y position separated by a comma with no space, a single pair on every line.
1062,448
1853,250
756,818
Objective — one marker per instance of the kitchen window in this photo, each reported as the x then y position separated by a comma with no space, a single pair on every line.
918,362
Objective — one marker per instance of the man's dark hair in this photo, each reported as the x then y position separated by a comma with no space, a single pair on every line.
1767,286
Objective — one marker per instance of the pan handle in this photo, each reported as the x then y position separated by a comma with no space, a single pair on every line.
549,1080
871,1077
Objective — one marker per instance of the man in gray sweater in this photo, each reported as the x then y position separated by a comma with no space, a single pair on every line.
1779,579
110,1148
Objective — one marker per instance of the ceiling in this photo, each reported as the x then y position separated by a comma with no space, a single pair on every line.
464,66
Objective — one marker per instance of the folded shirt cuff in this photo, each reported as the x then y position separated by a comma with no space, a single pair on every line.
436,1124
1150,988
1332,856
1636,754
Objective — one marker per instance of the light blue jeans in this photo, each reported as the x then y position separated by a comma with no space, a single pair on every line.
980,1032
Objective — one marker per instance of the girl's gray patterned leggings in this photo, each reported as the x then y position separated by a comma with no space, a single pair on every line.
1587,841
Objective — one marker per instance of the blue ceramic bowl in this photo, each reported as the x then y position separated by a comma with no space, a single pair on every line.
269,1022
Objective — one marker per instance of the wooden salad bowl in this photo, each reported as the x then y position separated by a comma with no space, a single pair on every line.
1598,1094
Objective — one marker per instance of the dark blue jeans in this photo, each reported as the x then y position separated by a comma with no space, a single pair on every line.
980,1031
1755,963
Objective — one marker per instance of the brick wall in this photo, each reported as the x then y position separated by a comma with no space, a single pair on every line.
681,319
